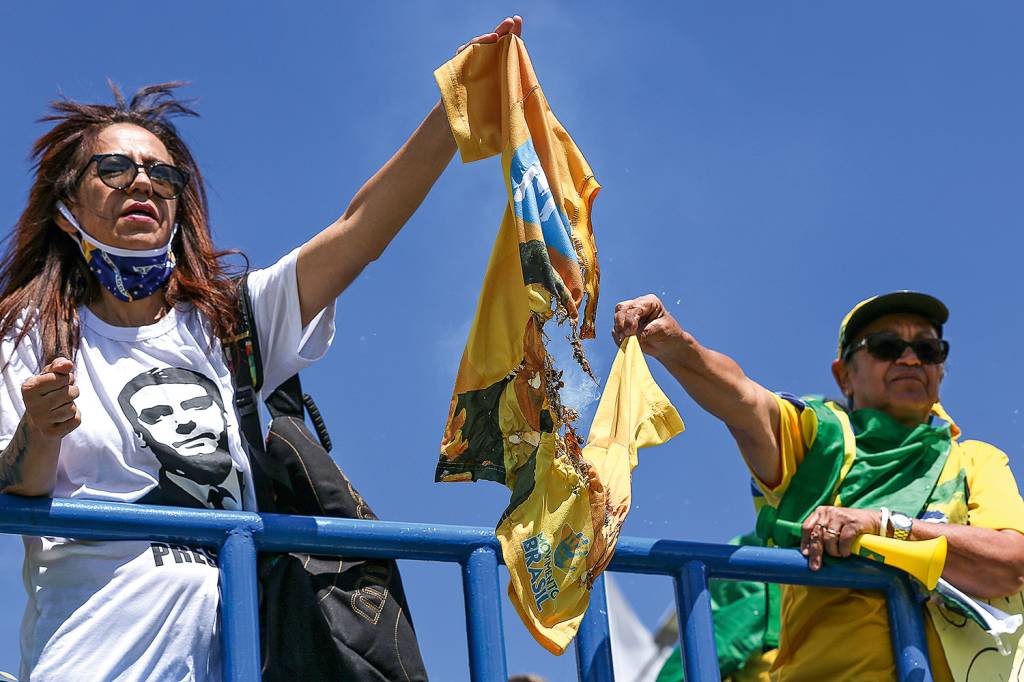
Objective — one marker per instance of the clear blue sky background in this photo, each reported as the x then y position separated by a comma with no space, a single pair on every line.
765,166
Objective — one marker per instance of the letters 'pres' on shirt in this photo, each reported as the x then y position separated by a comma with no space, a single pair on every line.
158,427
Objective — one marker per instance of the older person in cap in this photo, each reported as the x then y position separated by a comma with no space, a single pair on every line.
889,462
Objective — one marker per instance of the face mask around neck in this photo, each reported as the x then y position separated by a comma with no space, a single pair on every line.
128,274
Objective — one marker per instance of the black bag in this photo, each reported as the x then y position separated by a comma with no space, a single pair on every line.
321,617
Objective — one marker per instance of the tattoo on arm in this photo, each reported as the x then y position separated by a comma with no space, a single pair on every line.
13,456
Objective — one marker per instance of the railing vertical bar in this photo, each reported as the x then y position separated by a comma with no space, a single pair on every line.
696,627
483,617
593,641
240,636
906,623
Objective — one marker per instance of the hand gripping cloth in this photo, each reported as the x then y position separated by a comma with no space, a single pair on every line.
505,421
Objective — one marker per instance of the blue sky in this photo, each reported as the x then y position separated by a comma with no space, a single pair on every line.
765,166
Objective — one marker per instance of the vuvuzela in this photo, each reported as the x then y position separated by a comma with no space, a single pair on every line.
923,559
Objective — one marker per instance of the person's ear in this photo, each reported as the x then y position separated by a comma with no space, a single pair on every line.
841,373
65,219
140,440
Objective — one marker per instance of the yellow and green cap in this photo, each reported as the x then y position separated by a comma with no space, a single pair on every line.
869,310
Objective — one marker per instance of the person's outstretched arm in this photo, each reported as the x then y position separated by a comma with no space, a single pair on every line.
712,379
331,260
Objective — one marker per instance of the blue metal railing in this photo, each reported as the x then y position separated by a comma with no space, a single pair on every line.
240,535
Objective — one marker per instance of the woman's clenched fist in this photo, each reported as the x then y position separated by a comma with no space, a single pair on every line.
50,400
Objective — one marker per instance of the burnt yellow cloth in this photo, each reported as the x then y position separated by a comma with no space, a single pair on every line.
562,536
505,421
544,262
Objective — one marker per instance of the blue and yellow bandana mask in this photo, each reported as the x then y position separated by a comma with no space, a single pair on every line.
128,274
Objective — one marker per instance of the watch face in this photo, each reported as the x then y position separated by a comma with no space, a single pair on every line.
901,525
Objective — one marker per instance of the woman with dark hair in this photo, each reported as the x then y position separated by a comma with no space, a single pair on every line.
113,300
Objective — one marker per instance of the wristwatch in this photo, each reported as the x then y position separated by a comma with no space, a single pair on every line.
901,525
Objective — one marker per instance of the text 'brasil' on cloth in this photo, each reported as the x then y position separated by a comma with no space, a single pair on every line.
560,531
506,422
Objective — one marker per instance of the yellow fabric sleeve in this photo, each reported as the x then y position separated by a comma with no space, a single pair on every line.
470,85
797,429
633,413
993,499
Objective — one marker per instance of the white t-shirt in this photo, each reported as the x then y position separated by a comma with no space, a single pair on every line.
158,426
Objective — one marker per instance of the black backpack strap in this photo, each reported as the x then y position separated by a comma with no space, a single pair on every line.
243,356
247,367
288,400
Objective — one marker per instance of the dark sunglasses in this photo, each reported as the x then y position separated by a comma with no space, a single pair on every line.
117,171
888,346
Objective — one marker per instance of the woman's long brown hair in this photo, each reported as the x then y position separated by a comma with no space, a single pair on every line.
43,277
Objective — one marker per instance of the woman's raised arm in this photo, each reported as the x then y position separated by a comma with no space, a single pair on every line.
331,260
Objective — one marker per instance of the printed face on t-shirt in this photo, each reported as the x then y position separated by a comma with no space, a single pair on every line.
180,417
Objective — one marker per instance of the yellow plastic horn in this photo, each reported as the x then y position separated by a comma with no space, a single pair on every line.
923,559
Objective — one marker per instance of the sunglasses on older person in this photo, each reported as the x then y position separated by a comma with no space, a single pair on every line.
118,171
889,346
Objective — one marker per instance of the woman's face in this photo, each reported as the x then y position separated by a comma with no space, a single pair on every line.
133,217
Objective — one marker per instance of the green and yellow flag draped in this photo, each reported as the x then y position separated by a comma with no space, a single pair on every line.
885,465
868,460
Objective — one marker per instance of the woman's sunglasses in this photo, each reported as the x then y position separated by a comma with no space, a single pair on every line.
117,171
888,346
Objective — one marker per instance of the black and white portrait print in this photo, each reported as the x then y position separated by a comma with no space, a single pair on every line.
179,416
